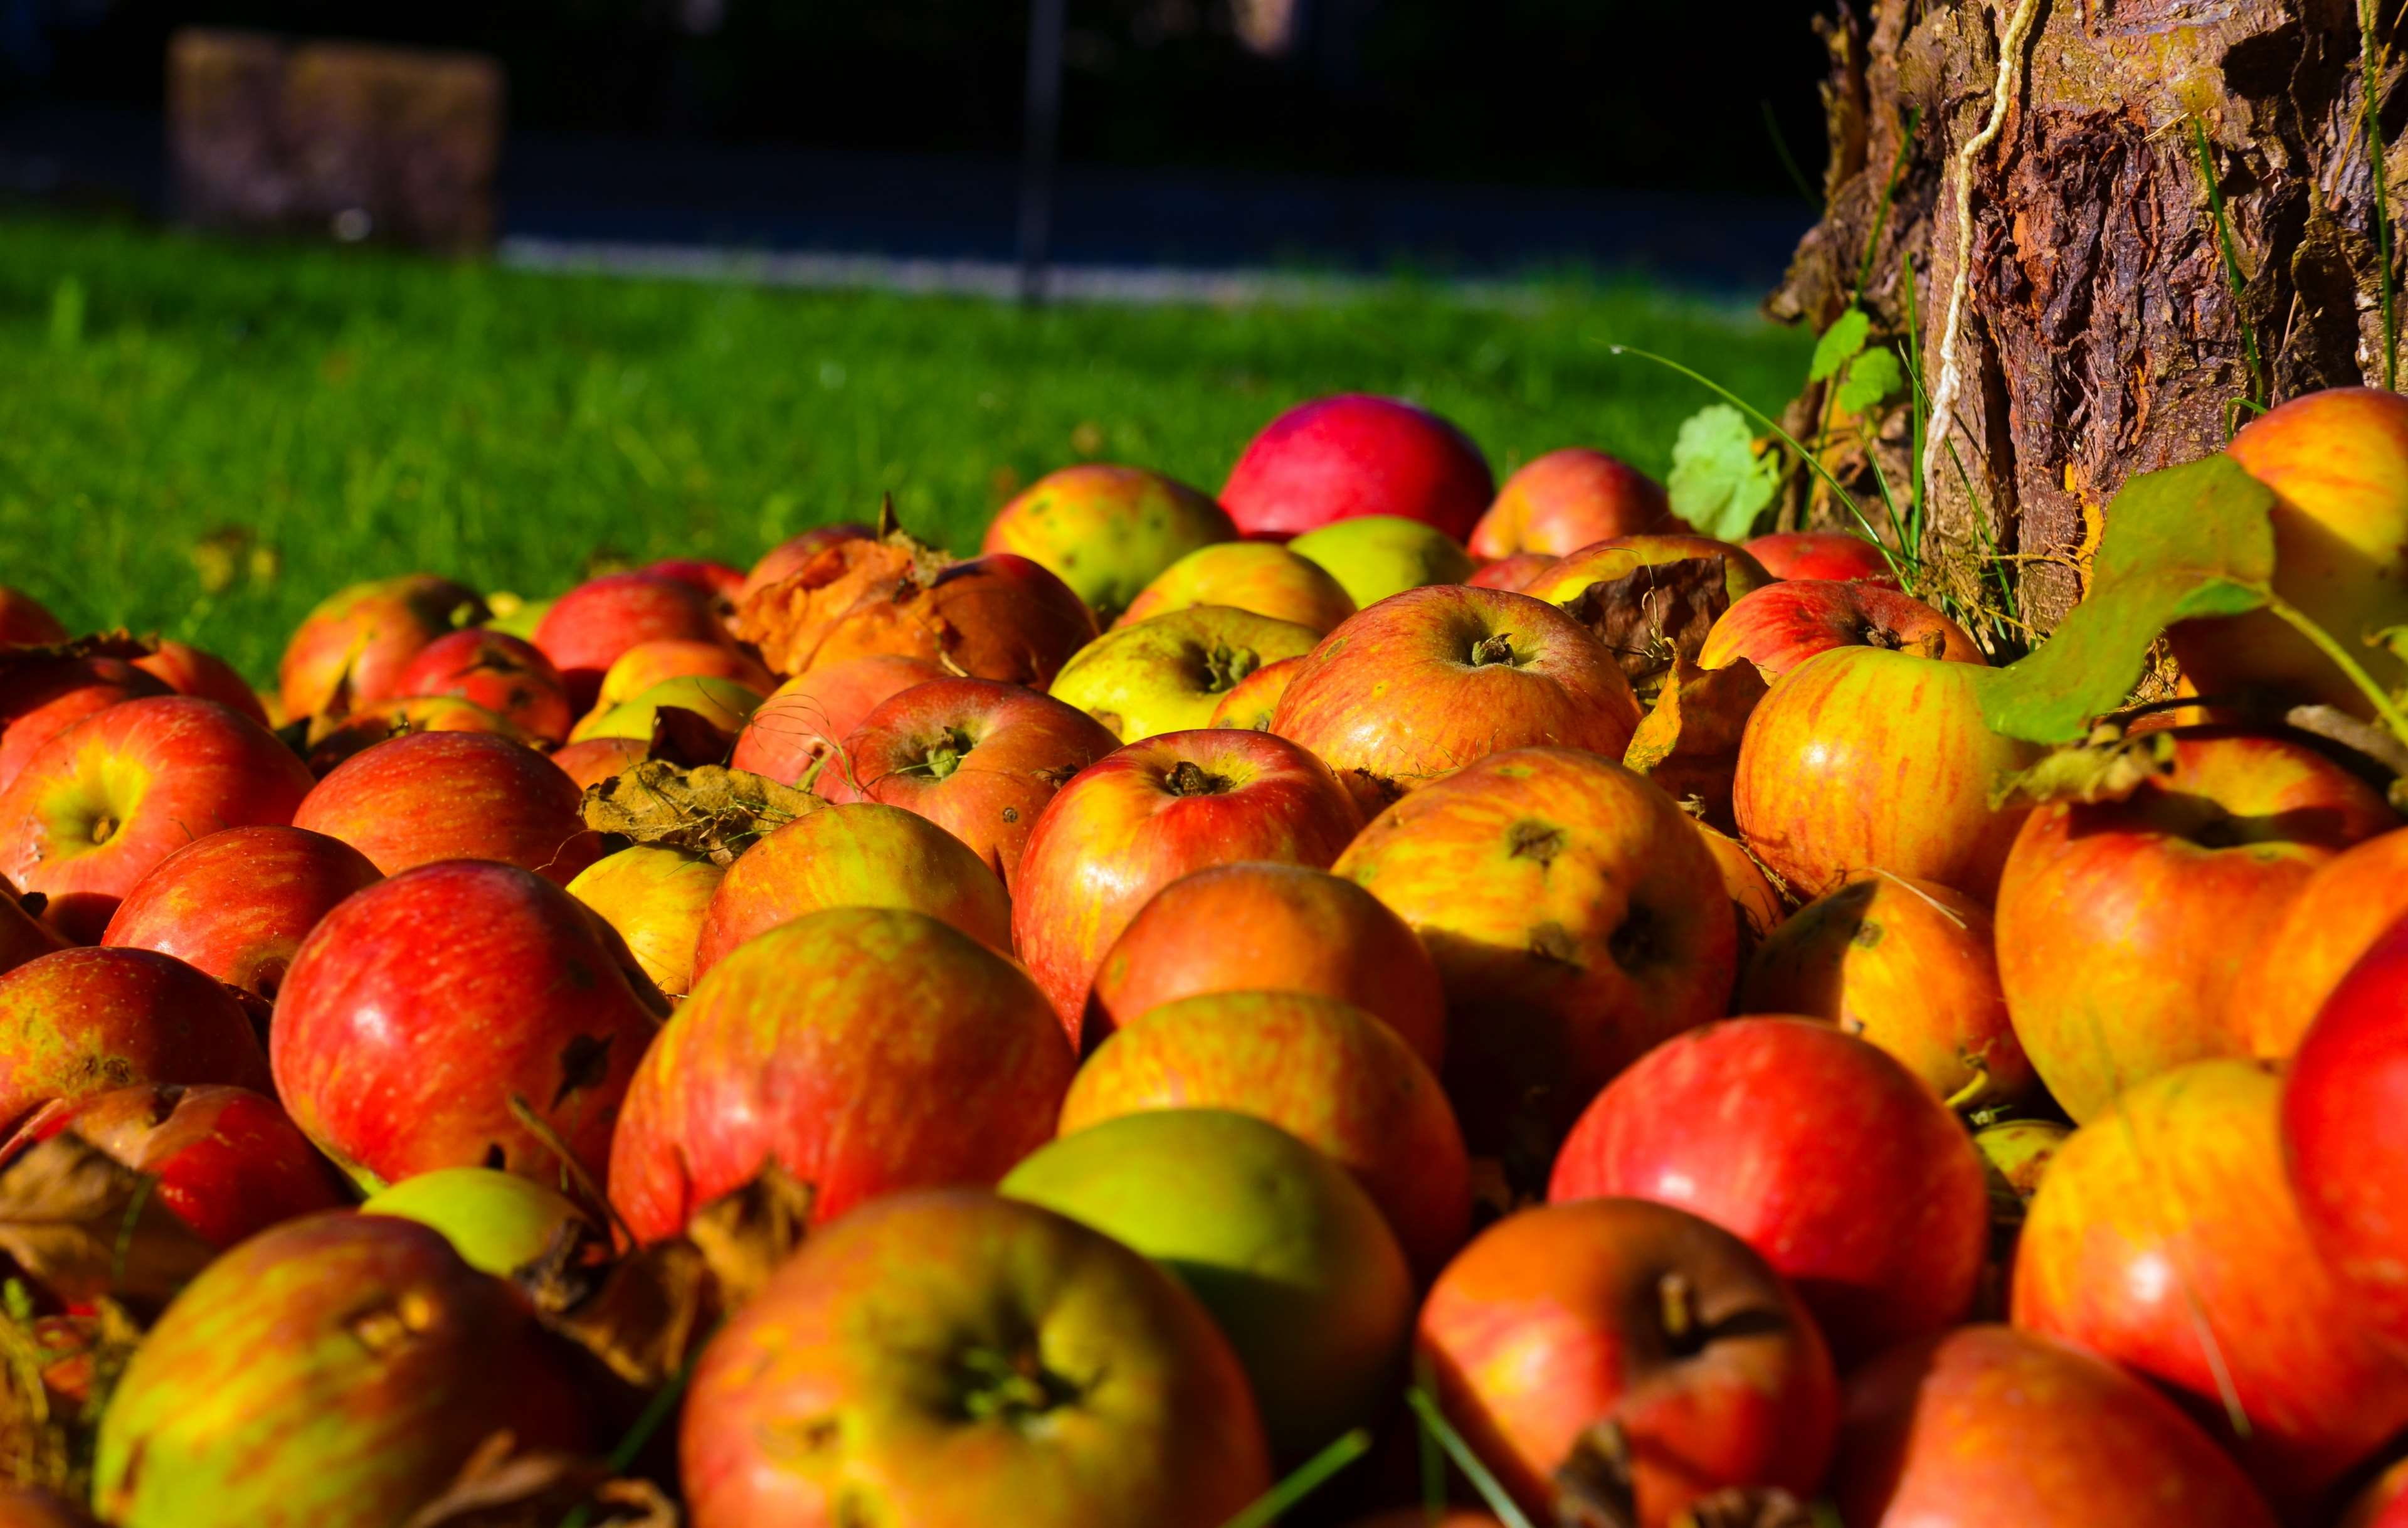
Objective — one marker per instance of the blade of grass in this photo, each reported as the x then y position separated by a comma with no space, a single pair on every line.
2370,60
1304,1480
659,1409
2233,279
1435,1423
1788,160
1890,194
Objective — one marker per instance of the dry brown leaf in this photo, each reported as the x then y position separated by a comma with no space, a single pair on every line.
84,1226
747,1235
1688,743
788,620
709,810
1654,614
2108,767
642,1315
499,1487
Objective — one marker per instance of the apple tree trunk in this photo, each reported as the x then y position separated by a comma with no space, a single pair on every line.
2023,195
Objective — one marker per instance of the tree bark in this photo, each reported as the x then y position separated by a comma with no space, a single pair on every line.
2049,195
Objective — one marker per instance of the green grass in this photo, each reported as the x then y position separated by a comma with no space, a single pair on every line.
294,420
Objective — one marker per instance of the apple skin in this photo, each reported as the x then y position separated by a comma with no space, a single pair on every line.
1329,1073
1000,617
1271,928
506,675
1624,556
227,1161
434,796
1781,626
2384,1503
1820,555
866,1050
105,802
1555,1320
1251,576
2165,1238
188,671
1911,966
42,698
85,1021
22,936
979,760
1512,575
588,764
2337,461
1288,1253
26,622
1171,673
358,641
712,578
2124,927
722,703
1251,702
1844,1169
991,1362
1430,680
1865,759
804,720
1352,454
1988,1427
589,628
647,663
1375,556
655,896
331,745
1107,532
861,853
1577,920
235,905
1568,499
2340,911
1139,819
785,559
418,1007
496,1221
333,1372
2345,1134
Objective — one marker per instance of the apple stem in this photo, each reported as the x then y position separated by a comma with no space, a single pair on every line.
2299,621
1189,778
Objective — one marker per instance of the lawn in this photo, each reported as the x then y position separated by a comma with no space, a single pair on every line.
201,440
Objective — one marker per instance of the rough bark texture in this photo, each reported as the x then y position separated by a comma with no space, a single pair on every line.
2097,336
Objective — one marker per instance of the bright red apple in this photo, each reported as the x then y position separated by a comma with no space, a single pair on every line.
1568,499
1781,626
1814,1147
433,796
506,676
236,904
1820,555
355,644
587,629
866,1050
41,698
803,724
1141,818
205,676
419,1009
105,802
1560,1320
82,1021
1338,458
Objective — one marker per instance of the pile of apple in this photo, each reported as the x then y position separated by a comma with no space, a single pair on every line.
1489,982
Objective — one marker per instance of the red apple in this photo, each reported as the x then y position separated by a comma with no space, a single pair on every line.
1428,681
1075,1385
434,796
1817,1149
205,676
1558,1321
1512,575
712,578
1821,555
803,724
421,1007
866,1050
355,644
1141,818
2384,1503
1987,1427
2125,926
1865,759
22,936
1911,966
1106,531
79,1022
589,763
2165,1237
1253,576
1577,919
1253,700
1252,927
333,744
783,560
506,676
1781,626
587,629
2345,1133
105,802
42,697
2341,910
1568,499
228,1162
236,904
1338,458
978,758
1329,1073
24,621
1173,673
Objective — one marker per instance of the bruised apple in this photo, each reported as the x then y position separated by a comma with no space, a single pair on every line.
84,1021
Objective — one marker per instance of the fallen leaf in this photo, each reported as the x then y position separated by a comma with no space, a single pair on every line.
747,1235
500,1487
709,810
85,1227
1653,614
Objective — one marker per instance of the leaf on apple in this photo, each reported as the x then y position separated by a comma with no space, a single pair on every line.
2186,543
1655,614
503,1487
710,811
1719,481
1688,743
748,1235
2107,768
86,1227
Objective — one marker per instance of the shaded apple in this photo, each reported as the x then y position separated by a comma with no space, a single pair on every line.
1781,626
1759,907
1375,556
1603,562
588,764
506,675
205,676
1353,455
83,1021
1169,674
22,936
498,1222
354,645
332,742
1253,576
803,724
434,796
1105,530
235,905
1568,499
655,896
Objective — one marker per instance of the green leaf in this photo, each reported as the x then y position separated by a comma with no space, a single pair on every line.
1872,376
2189,542
1839,343
1718,481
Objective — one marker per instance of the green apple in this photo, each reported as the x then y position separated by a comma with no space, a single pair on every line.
1246,575
1288,1253
498,1222
1167,674
1106,531
722,703
1375,556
